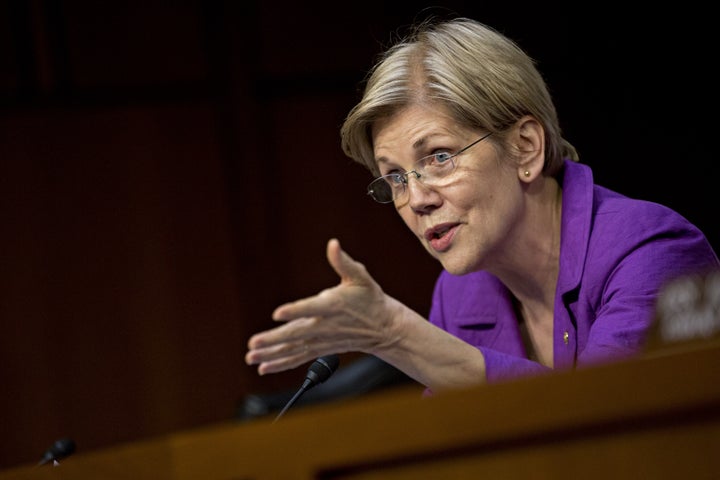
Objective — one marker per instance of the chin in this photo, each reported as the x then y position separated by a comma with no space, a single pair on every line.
451,262
457,269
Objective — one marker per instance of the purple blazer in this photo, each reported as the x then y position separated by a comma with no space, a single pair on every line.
615,254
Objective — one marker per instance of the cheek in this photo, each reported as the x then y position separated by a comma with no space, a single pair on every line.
477,187
471,194
488,206
408,217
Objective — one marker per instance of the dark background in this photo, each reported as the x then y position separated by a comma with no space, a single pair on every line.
171,171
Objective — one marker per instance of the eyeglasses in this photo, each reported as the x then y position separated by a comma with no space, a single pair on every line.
432,169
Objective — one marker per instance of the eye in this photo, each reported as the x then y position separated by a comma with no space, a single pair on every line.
437,159
441,157
394,178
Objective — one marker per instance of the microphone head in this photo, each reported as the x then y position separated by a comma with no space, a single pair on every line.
321,369
60,449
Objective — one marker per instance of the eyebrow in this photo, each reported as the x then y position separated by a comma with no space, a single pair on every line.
417,145
420,142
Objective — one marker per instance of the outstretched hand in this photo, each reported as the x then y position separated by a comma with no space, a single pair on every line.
355,315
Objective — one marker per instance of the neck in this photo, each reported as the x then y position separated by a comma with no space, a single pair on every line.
531,263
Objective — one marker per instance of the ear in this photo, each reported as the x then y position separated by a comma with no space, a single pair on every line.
529,138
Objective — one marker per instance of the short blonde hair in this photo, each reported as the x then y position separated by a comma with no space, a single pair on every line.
483,79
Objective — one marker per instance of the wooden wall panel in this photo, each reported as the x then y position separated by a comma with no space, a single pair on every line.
118,294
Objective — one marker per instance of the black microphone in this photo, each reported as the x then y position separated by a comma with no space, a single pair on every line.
319,371
60,449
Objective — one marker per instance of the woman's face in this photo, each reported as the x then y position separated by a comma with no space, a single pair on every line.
469,223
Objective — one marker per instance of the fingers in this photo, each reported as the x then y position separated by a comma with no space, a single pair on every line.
281,348
291,332
280,357
320,324
282,364
286,347
347,269
328,301
317,305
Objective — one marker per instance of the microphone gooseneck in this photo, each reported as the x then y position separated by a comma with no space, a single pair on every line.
320,370
60,449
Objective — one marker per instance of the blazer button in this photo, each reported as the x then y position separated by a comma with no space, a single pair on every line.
566,338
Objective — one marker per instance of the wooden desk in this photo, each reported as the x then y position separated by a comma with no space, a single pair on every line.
656,417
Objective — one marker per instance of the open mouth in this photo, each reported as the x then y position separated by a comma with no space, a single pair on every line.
441,237
438,232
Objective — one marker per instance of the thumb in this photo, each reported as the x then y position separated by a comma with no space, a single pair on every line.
348,269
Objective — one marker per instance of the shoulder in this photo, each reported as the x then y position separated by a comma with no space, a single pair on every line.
643,241
612,218
610,202
612,210
618,219
607,235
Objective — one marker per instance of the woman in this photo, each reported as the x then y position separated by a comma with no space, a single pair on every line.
542,269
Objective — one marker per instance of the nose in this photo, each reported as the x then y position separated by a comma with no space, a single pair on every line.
421,197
